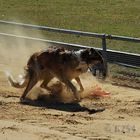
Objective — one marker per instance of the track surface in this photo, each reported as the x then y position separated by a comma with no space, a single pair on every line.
43,121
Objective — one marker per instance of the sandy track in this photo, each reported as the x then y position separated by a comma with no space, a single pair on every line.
43,120
119,120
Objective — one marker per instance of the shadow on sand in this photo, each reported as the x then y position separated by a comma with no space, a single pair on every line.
69,107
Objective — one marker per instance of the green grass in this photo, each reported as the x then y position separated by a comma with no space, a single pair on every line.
118,17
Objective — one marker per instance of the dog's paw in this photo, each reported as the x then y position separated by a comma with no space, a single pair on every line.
77,98
24,101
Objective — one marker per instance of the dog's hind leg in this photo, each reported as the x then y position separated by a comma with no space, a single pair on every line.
72,87
46,81
32,81
80,84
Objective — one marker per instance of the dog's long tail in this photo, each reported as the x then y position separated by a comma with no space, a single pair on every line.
20,83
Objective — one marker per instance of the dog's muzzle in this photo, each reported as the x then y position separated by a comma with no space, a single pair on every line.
99,70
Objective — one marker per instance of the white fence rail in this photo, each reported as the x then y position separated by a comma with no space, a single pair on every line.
123,58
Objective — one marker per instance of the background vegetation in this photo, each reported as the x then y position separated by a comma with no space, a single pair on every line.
118,17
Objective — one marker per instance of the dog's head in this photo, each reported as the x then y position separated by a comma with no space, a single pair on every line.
95,62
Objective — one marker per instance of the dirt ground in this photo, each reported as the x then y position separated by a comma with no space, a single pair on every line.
116,117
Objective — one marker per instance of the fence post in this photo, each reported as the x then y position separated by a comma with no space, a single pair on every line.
104,46
104,51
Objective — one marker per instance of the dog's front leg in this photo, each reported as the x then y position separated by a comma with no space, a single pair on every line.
80,84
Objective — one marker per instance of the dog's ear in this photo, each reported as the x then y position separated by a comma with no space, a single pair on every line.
92,51
95,52
85,53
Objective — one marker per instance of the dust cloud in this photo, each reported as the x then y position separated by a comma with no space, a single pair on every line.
15,52
61,93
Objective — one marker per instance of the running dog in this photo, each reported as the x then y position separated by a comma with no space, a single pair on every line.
60,63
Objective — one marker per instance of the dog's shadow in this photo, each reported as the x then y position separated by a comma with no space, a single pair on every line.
68,107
